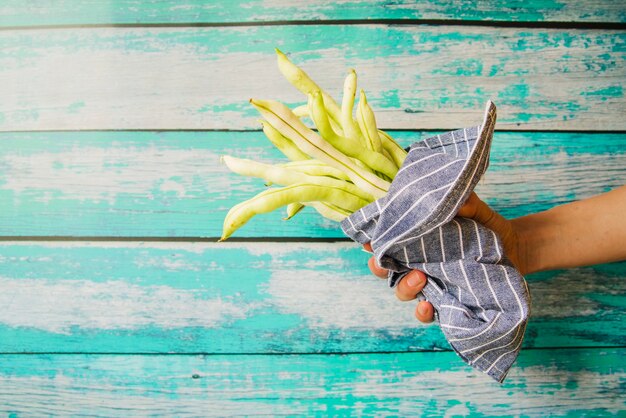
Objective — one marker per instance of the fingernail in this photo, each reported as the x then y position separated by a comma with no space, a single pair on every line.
421,308
414,280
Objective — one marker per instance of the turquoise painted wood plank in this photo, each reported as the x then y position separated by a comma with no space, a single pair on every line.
159,297
84,12
562,382
171,184
417,77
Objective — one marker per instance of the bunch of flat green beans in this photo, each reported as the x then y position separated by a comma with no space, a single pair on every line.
345,165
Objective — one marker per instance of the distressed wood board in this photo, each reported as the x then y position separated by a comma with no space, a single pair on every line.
255,297
113,116
561,382
416,77
171,184
90,12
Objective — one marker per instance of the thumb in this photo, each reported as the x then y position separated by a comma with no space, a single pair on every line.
479,211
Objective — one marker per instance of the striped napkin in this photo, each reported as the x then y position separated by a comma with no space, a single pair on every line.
481,301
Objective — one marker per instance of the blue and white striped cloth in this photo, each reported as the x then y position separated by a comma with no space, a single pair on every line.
481,301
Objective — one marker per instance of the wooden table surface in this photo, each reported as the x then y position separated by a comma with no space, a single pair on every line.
115,299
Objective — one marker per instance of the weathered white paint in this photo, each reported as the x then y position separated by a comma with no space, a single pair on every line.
58,305
276,249
568,294
340,300
567,11
484,395
560,175
101,173
86,12
321,289
68,396
102,82
536,390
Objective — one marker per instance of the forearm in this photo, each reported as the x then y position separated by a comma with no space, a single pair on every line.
581,233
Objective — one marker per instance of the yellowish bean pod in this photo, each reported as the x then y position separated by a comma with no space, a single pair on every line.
300,80
288,148
330,211
367,123
350,128
301,111
314,167
293,209
309,142
272,199
275,174
397,153
337,170
351,148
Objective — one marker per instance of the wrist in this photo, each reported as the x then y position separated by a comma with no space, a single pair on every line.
536,237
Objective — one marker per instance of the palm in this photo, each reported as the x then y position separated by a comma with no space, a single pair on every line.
475,209
479,211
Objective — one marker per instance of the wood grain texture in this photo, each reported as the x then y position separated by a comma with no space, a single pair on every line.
130,328
86,12
171,184
416,77
562,382
255,298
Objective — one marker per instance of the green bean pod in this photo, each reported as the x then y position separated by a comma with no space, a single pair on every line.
367,123
300,80
315,168
397,153
329,211
350,128
336,127
351,148
272,199
278,175
304,111
283,144
293,209
309,142
301,111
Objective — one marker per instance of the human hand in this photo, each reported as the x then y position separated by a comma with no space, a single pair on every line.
414,281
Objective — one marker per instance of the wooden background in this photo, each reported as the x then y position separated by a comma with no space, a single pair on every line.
114,297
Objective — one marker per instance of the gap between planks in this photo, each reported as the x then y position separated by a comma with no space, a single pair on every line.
44,238
259,131
337,22
303,353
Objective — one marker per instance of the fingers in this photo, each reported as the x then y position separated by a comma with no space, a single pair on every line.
407,289
376,269
410,285
425,312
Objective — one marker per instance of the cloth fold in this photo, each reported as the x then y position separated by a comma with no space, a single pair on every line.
481,301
